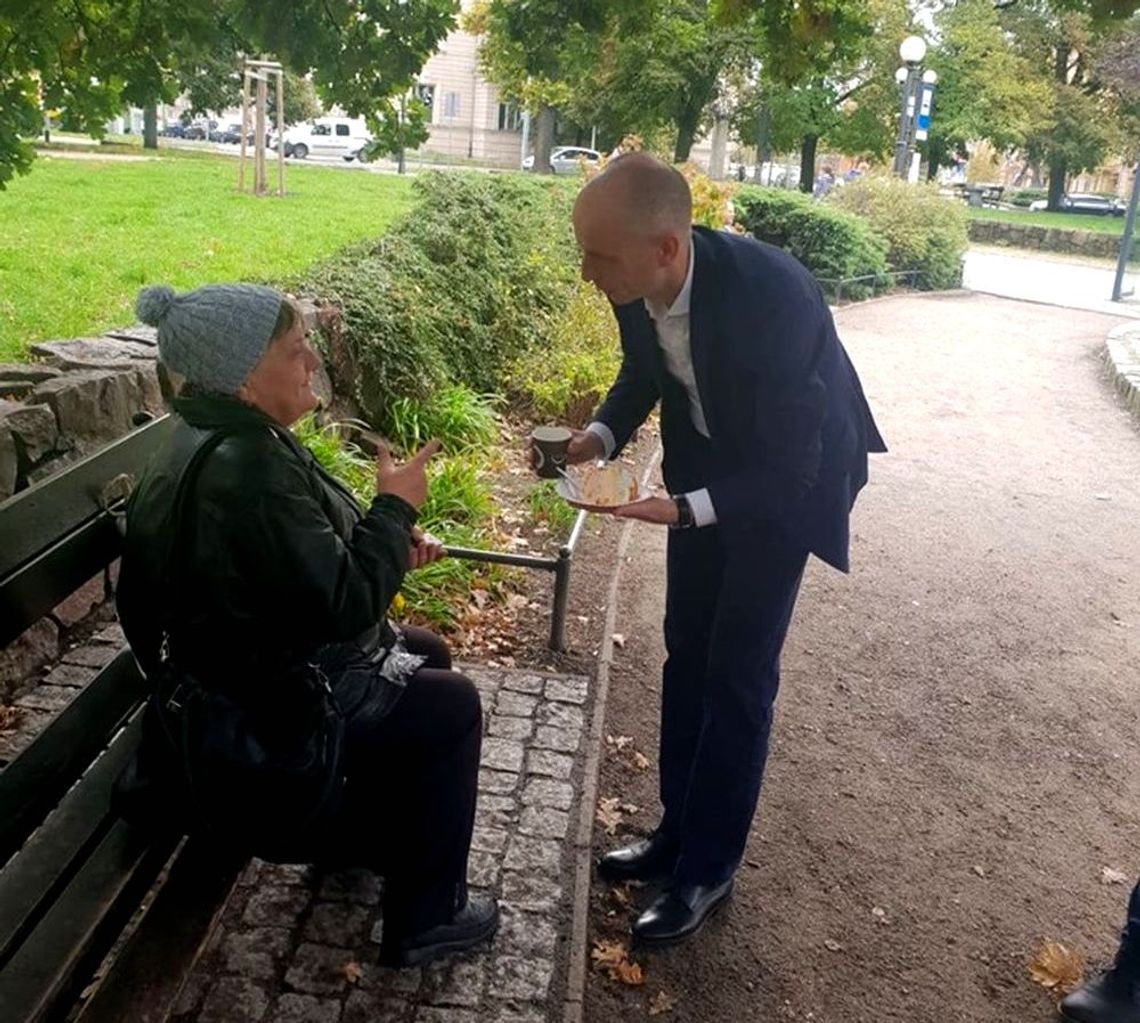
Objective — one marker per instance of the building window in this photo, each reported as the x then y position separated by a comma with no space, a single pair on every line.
451,105
510,117
425,93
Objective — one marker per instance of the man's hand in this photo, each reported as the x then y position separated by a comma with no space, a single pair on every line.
584,447
424,549
661,510
409,480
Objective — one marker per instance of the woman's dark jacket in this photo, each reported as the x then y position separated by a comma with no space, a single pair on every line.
275,563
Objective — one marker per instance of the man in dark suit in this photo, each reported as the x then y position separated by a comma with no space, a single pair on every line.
765,433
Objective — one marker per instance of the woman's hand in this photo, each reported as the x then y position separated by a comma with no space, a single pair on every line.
424,549
409,480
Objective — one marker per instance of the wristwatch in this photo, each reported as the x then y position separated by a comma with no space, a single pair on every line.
685,518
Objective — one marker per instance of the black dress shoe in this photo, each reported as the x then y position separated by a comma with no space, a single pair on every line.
650,859
1113,997
678,912
474,923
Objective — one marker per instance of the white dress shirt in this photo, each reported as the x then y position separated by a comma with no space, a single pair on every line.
672,326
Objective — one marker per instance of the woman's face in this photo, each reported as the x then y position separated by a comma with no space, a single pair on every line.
281,382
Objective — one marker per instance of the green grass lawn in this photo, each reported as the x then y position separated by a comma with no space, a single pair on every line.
1070,221
78,238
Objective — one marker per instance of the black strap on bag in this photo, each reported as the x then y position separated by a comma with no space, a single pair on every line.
263,771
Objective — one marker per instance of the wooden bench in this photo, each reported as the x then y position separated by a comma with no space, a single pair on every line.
76,881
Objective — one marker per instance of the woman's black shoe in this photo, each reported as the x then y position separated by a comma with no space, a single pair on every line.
474,923
1113,997
652,859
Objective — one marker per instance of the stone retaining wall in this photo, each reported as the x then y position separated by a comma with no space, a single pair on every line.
1077,242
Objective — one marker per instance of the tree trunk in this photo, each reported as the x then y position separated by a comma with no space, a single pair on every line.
1056,183
150,126
543,139
687,123
807,163
717,159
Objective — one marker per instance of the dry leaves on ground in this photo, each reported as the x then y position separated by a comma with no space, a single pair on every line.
612,959
1110,876
622,896
1057,968
661,1002
608,813
10,717
619,742
352,972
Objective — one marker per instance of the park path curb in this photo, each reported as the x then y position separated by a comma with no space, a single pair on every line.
583,841
1122,357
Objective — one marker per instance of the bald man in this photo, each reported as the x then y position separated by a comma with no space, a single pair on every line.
766,433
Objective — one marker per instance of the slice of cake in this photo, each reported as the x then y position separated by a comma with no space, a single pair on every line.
606,486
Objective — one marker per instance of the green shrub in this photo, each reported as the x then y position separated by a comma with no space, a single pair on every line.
925,231
460,286
1024,196
548,507
455,415
833,244
566,379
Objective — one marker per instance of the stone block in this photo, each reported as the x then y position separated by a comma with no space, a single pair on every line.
305,1009
254,952
74,675
562,740
523,683
36,372
14,390
483,868
549,764
490,840
561,715
92,407
368,1007
523,979
36,646
431,1014
501,727
75,608
535,855
526,934
529,893
548,792
498,782
515,704
502,754
34,430
567,690
150,388
9,464
276,906
50,699
93,352
15,741
388,981
338,923
317,970
89,655
234,1000
454,982
360,886
112,634
544,822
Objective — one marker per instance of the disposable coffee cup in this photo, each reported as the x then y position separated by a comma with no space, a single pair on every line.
550,444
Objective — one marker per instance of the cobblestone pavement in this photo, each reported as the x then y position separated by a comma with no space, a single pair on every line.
297,948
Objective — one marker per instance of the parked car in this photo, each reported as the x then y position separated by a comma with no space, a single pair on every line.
567,159
1084,202
327,136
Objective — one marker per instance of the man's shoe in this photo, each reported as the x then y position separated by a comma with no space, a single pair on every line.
650,859
679,911
1113,997
474,923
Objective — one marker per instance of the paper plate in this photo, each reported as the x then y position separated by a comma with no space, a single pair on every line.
567,492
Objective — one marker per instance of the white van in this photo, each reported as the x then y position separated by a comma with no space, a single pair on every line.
327,136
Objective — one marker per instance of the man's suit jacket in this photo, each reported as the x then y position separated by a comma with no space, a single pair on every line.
789,426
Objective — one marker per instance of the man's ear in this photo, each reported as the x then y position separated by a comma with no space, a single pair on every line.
667,249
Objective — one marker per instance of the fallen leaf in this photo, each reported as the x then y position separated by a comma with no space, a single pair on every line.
979,870
352,972
619,742
621,895
629,808
619,640
660,1003
879,914
10,717
607,953
1057,968
1110,876
608,813
832,945
611,957
628,973
479,598
640,760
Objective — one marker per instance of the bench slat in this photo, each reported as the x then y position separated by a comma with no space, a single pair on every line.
32,590
56,850
148,975
37,517
57,959
35,781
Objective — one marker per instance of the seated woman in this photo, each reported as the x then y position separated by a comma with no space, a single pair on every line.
274,567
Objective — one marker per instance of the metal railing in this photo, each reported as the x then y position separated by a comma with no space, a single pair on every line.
559,565
876,281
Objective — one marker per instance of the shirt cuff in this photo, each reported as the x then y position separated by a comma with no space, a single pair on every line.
607,435
704,514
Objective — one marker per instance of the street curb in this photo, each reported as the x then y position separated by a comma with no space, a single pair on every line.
583,841
838,310
1122,357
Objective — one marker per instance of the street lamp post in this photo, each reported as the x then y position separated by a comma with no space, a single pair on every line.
912,50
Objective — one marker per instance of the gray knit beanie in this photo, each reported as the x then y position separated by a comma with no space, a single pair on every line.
214,335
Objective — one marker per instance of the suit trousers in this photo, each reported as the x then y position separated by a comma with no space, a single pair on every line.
729,602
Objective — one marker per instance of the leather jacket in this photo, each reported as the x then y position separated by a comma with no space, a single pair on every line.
276,563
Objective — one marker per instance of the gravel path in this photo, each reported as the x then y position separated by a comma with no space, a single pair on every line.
956,751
